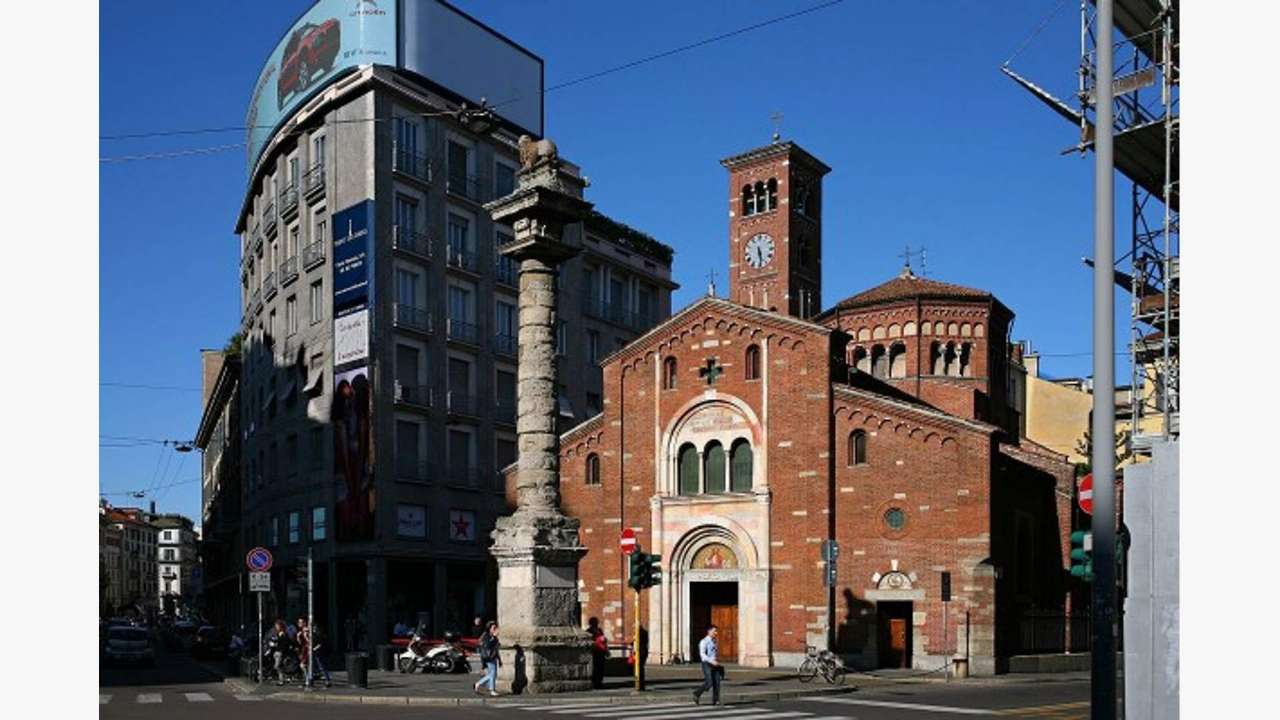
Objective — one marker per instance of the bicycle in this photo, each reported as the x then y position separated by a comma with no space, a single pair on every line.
823,662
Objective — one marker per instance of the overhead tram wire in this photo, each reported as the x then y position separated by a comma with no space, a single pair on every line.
559,86
136,493
137,386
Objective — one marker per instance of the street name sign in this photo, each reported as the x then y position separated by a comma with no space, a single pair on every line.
258,560
259,582
628,542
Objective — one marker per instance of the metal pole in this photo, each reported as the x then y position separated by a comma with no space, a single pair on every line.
1103,460
635,641
261,649
311,617
946,655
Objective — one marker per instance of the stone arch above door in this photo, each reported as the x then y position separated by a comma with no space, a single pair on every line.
702,421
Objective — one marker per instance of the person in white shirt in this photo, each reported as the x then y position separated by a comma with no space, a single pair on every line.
709,653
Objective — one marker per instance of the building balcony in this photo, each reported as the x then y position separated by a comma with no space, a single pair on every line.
255,305
414,318
616,313
289,201
288,270
313,182
460,403
461,259
269,287
413,395
463,331
504,344
410,241
269,219
464,186
257,241
410,163
413,470
506,273
463,475
313,255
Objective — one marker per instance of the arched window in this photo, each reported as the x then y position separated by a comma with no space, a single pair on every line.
669,374
949,364
762,200
748,201
857,447
898,360
804,252
713,468
879,362
593,469
753,362
802,200
935,359
861,360
688,470
966,370
740,466
773,193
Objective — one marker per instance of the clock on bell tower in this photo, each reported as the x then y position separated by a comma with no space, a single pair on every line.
775,229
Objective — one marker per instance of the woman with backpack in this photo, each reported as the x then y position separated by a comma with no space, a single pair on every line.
489,658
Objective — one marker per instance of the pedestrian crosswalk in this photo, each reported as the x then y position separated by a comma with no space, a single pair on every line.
685,710
154,698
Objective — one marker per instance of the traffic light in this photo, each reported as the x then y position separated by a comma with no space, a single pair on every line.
646,570
1082,555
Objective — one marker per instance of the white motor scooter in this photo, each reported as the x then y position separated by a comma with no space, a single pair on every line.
448,656
415,656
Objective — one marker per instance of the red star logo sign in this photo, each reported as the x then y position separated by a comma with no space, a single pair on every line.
461,528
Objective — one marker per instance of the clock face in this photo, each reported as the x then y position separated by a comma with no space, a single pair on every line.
759,250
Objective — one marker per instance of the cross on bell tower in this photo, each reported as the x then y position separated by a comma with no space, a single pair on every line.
711,371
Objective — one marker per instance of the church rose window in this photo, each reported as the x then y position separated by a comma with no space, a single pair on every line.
895,518
714,463
688,470
741,462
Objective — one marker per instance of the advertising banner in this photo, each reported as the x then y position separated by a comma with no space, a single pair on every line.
352,283
351,416
332,36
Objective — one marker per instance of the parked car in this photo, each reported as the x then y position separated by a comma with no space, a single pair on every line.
209,642
312,48
129,644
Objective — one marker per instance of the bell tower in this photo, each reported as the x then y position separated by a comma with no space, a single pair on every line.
775,229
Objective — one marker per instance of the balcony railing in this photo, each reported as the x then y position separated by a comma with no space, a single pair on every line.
463,331
418,395
616,313
410,163
313,181
313,255
458,258
255,305
410,240
504,271
412,317
460,403
467,186
269,219
466,475
289,270
413,470
269,287
504,344
289,201
257,242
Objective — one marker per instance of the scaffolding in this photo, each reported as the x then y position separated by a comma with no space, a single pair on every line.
1145,86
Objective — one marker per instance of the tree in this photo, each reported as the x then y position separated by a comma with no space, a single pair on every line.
234,344
1084,446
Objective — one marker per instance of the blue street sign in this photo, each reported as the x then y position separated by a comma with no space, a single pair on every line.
258,559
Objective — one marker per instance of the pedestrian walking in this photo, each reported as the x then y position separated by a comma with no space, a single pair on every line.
280,644
310,640
489,658
599,652
712,670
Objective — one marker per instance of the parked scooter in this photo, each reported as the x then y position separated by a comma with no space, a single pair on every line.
414,657
448,656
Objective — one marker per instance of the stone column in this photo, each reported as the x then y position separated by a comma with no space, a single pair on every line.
544,648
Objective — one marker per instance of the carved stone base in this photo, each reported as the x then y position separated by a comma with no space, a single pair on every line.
544,649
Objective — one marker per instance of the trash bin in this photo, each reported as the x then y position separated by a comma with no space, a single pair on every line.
357,670
387,658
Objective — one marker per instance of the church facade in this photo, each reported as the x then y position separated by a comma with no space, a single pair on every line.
742,434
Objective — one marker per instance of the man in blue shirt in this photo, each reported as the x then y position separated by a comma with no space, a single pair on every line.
709,653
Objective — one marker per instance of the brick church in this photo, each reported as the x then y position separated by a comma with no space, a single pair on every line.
742,433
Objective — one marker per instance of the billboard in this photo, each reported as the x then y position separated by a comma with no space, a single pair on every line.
330,37
352,411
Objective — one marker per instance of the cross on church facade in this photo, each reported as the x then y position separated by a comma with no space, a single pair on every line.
711,371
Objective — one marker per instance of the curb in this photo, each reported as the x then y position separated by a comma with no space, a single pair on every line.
653,697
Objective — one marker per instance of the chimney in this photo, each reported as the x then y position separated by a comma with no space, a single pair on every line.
153,507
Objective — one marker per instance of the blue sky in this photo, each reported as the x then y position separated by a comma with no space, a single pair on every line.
930,144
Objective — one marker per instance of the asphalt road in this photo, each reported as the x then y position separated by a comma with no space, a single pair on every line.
180,687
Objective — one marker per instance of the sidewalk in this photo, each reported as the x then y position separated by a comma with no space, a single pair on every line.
663,684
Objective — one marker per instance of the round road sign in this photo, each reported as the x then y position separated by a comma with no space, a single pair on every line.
1086,494
628,541
258,559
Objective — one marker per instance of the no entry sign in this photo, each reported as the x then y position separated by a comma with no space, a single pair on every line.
1086,494
258,559
628,541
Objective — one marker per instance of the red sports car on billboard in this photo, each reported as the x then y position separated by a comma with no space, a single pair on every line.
311,50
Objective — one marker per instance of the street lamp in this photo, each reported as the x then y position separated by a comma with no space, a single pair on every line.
480,121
